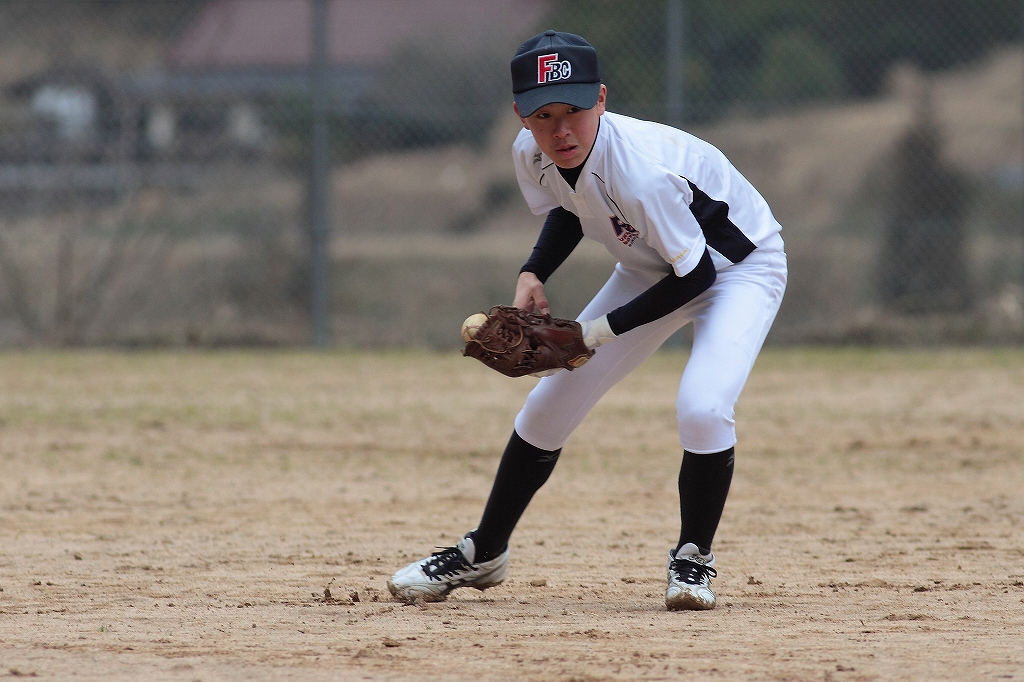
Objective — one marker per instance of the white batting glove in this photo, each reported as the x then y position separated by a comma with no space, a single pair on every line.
597,332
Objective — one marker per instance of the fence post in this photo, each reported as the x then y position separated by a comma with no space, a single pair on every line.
319,176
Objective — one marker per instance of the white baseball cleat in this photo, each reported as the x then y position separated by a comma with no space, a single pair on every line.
689,580
431,579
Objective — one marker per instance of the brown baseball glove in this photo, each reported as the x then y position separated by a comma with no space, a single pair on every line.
516,343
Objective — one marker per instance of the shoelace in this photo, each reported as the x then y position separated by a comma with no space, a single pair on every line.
691,572
444,563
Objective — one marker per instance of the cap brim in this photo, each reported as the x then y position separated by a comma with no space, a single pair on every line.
582,95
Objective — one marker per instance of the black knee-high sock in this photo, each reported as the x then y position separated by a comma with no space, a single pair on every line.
703,486
522,471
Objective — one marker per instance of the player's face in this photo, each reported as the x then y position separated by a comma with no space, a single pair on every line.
563,132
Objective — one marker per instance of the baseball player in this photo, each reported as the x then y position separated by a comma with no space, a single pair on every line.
695,243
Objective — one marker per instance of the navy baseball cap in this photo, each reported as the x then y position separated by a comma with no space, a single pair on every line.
555,67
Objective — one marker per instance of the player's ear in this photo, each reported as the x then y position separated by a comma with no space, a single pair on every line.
516,109
602,98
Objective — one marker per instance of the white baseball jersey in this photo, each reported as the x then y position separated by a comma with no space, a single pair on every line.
655,196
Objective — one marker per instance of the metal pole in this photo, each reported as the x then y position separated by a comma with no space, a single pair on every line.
674,62
319,177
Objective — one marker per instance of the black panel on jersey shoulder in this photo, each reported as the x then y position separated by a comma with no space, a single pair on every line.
720,233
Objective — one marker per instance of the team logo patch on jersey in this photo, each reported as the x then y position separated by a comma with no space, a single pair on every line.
549,69
624,232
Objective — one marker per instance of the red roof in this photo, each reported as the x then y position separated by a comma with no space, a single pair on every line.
245,33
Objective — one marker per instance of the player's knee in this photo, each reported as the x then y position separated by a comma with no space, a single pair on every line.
704,423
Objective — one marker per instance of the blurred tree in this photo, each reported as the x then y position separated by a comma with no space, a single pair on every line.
741,51
90,277
869,36
437,89
433,90
923,262
630,40
795,67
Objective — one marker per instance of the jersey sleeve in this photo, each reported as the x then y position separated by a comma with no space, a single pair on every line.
532,176
660,207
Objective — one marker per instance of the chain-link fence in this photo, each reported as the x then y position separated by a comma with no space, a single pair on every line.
171,169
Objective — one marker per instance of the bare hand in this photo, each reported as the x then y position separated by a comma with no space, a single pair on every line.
530,294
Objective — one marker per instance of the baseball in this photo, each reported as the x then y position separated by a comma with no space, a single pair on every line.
472,325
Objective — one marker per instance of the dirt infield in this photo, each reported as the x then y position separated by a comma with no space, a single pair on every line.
183,517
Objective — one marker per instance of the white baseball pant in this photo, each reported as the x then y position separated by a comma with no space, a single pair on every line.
730,322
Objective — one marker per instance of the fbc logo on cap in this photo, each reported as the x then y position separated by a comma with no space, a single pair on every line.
549,69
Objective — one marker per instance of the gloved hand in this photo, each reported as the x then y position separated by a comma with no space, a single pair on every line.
595,333
516,342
